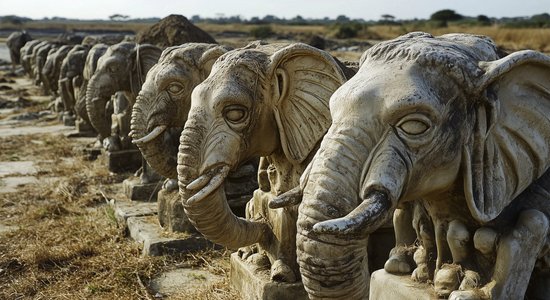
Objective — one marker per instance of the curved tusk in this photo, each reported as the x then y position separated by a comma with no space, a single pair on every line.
363,220
291,197
214,184
151,136
199,182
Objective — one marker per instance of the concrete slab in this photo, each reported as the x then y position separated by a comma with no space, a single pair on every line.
157,242
253,284
127,209
17,168
124,160
178,281
6,131
385,286
10,184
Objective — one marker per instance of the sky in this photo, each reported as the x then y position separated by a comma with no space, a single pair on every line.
365,9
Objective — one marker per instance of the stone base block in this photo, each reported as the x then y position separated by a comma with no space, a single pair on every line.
139,221
385,286
68,120
135,190
254,284
124,160
171,215
81,134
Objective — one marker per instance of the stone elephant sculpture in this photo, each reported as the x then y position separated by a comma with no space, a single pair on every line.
268,101
15,41
70,76
444,120
164,101
39,60
90,65
26,54
123,67
52,68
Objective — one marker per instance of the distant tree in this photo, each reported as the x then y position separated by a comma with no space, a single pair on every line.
342,19
262,32
118,17
541,20
195,19
270,19
387,18
444,16
483,20
298,20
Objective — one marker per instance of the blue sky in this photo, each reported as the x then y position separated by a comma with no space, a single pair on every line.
366,9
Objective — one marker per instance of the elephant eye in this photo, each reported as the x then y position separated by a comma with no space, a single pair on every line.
235,113
413,127
175,88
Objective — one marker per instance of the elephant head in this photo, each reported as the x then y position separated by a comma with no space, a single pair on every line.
123,67
164,101
440,119
267,101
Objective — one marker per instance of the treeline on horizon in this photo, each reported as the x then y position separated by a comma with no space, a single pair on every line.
441,18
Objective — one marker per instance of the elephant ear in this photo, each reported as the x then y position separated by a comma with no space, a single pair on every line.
144,57
209,57
511,140
302,80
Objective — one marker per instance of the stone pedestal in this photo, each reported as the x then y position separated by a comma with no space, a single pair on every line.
170,212
135,190
124,160
385,286
253,284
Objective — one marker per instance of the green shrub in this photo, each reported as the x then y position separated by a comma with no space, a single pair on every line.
262,32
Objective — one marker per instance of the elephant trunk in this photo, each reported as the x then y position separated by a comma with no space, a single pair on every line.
209,211
151,143
332,266
96,100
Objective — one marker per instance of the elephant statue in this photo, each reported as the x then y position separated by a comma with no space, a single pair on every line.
39,61
445,124
123,67
90,65
158,117
15,41
52,68
26,54
164,100
70,77
268,101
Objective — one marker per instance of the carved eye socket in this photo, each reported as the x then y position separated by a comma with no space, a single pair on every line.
235,113
414,126
175,88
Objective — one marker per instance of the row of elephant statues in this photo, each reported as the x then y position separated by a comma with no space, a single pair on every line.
447,137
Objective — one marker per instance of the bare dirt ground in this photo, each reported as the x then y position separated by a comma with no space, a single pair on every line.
58,237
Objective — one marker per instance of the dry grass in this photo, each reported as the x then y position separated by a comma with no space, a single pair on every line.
68,245
513,39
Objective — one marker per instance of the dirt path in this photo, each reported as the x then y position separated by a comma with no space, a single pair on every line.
58,237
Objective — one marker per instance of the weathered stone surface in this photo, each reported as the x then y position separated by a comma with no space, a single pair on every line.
124,160
171,215
135,190
25,130
17,167
386,286
10,184
177,281
69,120
172,31
253,283
156,242
127,209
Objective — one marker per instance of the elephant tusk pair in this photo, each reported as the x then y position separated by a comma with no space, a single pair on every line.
363,220
207,183
151,136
